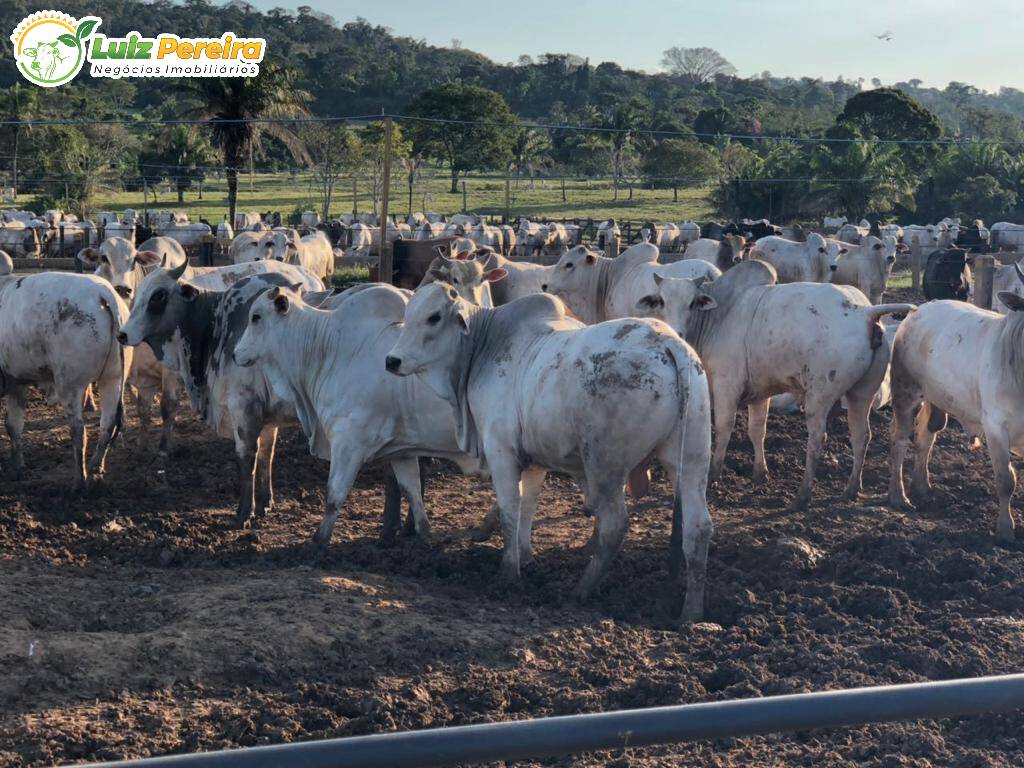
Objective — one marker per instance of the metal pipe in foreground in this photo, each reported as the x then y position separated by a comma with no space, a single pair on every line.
548,737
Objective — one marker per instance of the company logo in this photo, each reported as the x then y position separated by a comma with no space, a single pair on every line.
51,47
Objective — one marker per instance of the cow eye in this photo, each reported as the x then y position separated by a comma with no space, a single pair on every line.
455,280
158,301
434,319
255,319
569,265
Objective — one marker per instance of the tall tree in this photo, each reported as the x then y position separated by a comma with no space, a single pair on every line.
696,65
468,127
334,150
236,108
530,150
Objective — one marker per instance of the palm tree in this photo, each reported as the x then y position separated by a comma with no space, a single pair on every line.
529,151
17,103
231,103
860,177
188,152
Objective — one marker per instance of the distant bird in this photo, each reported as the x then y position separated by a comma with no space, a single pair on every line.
886,36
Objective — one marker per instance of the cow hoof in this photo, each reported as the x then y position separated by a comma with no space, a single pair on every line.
921,492
799,504
900,504
691,615
387,538
243,520
851,494
759,476
314,551
481,533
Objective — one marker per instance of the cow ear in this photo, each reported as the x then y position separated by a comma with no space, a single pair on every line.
878,246
463,320
438,276
188,292
703,301
297,287
846,250
495,275
1012,301
658,279
89,256
590,258
281,303
651,302
147,258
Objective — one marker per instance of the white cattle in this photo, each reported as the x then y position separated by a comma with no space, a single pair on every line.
224,231
244,248
1004,233
360,239
927,235
20,240
312,252
1006,279
724,253
851,233
833,223
758,339
488,278
689,231
192,319
329,366
812,261
598,288
246,221
894,231
6,263
953,359
467,219
310,219
60,330
608,236
532,390
189,235
665,236
429,230
486,236
866,266
103,218
118,262
23,216
529,239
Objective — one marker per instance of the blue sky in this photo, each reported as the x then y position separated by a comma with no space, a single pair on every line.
979,42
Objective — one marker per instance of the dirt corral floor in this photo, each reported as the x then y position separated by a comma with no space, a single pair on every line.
138,621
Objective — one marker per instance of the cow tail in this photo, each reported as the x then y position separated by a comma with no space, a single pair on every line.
684,385
115,328
878,311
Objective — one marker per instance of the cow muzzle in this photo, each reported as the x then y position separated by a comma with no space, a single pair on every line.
392,364
122,338
833,267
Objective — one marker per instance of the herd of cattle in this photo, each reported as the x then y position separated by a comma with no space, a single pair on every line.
592,366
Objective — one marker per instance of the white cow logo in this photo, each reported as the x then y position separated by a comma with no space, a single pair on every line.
50,46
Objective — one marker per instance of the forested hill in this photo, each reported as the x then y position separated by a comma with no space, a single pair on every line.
354,67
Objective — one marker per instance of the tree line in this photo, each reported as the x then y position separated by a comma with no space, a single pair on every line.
697,124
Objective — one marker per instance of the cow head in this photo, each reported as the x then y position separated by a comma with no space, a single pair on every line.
824,253
268,310
45,58
574,279
436,320
117,262
161,301
468,276
676,301
280,245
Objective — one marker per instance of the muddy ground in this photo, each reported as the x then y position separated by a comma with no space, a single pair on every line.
139,622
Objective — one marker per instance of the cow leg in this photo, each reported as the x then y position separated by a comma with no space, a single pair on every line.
392,519
15,423
144,396
905,397
111,393
246,444
263,485
407,473
816,417
725,420
858,417
929,422
533,480
73,412
757,426
168,408
609,507
1006,479
409,526
505,477
346,461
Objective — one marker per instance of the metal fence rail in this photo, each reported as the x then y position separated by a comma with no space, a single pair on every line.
554,736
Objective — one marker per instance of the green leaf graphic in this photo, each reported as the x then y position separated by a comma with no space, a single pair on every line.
85,28
69,40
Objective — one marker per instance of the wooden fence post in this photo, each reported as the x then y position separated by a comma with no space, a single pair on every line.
915,263
385,264
508,195
464,196
984,271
